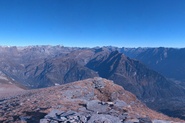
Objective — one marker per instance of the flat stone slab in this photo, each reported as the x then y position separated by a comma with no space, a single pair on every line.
96,106
101,118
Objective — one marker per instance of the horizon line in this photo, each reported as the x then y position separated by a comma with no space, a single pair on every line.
91,46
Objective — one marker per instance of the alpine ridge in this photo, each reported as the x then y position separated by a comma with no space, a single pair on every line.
35,67
87,101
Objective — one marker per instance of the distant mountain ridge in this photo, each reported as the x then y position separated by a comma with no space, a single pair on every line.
132,75
44,66
168,61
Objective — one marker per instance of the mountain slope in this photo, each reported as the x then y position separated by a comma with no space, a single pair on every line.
8,86
134,76
148,85
43,66
94,98
170,62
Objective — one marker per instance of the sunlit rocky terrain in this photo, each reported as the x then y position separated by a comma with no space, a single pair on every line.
25,70
87,101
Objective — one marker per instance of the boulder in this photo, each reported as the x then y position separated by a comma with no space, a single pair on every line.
97,106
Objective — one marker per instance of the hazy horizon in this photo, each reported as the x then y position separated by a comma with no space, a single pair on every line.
86,46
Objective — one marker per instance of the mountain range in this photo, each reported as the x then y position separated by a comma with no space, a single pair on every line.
36,67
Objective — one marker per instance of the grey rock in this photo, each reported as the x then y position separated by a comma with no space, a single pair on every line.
44,121
68,113
123,116
53,121
129,122
83,119
24,118
88,96
64,117
161,121
114,112
132,121
54,113
101,118
120,104
145,120
98,83
82,109
96,106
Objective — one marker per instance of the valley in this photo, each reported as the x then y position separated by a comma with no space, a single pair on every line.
26,69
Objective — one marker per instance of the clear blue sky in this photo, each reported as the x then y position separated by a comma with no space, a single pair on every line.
123,23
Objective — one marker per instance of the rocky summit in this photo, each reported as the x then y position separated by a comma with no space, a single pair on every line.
95,100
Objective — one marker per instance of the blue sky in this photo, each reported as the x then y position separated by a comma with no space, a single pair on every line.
89,23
